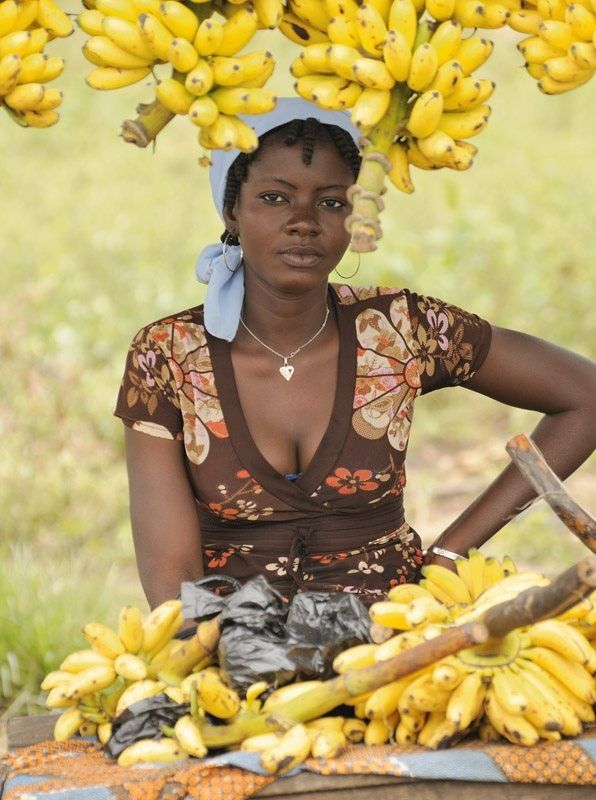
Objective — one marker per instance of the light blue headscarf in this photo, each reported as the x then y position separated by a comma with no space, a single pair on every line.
225,289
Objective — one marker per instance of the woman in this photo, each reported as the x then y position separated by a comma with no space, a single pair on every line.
278,414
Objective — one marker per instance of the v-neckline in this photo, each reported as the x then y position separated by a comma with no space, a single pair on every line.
331,444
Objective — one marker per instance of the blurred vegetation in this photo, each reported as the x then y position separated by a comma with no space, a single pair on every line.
99,238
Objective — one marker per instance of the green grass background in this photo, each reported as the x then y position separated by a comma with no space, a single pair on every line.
99,238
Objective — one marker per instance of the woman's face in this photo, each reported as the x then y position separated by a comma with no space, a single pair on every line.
290,216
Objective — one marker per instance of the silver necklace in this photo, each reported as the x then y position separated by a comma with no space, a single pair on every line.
286,370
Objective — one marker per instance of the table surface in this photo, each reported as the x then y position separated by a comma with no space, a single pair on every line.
23,731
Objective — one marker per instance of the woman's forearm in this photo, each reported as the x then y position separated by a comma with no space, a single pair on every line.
566,439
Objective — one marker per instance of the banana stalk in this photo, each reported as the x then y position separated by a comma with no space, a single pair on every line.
153,117
365,195
319,700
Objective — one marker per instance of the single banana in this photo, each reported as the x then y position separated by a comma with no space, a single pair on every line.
473,52
136,692
338,59
260,742
157,626
581,20
328,744
324,724
403,18
238,31
127,35
51,99
563,639
287,693
130,629
418,159
155,35
103,52
150,750
449,582
269,12
342,30
236,100
391,615
441,10
384,701
466,700
361,655
513,727
104,732
312,12
464,124
526,20
200,80
174,96
508,691
298,31
214,695
8,15
423,67
354,730
372,30
557,34
209,37
379,731
51,17
584,54
537,51
316,58
399,175
130,667
10,67
447,77
203,112
292,749
445,40
181,21
189,737
67,724
90,680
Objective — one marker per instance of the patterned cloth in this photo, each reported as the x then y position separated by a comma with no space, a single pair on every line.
80,770
340,525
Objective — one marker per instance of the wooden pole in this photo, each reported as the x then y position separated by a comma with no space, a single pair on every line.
532,464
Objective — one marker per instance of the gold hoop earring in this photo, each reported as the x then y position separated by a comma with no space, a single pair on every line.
347,277
223,253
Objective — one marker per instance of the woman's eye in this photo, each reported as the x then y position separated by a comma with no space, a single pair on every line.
273,197
333,202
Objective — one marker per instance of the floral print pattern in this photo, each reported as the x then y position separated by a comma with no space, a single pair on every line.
329,529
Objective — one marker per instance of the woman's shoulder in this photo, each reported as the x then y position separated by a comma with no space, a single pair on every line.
189,321
348,295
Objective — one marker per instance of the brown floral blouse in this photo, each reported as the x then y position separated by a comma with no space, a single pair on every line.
340,525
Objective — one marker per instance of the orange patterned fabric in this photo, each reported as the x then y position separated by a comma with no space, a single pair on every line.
38,771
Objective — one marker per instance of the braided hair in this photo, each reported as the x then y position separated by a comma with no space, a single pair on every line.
305,130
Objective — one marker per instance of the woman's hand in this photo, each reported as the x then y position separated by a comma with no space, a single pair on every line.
527,372
165,525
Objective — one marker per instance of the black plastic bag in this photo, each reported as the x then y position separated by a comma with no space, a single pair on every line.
144,720
265,638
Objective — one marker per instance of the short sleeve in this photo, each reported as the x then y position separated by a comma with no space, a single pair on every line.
148,398
450,343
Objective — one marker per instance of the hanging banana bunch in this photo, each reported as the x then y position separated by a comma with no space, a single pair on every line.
26,26
560,43
209,83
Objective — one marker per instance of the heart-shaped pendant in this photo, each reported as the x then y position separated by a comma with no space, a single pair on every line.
286,371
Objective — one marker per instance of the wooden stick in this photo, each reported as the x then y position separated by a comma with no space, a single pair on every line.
541,602
531,463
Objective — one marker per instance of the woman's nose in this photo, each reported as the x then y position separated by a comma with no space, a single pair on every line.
303,222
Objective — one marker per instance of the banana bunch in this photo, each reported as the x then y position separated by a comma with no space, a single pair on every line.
210,83
118,669
533,684
26,26
356,54
560,48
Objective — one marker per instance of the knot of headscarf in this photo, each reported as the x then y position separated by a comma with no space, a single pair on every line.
225,278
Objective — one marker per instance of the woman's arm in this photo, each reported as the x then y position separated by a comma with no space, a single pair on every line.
527,372
165,525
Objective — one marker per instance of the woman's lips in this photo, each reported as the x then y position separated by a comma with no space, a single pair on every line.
301,256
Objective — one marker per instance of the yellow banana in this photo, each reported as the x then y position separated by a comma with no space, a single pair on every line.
508,691
316,57
51,17
286,693
418,159
32,69
379,731
537,51
391,615
298,68
447,675
200,79
203,112
469,13
361,655
399,173
403,736
149,750
10,66
306,85
564,69
572,675
236,100
583,711
88,729
513,727
466,701
384,701
104,732
156,36
557,34
157,626
269,12
292,749
80,660
403,18
397,55
581,20
182,55
179,19
447,581
447,77
214,695
563,639
496,15
130,629
127,35
67,724
90,680
551,9
346,8
238,31
336,93
584,53
493,569
298,31
372,30
103,639
254,691
423,67
527,21
176,694
462,158
445,40
312,12
372,74
423,610
473,52
26,14
8,15
51,99
339,59
328,744
384,6
56,678
242,69
324,724
208,38
342,30
354,730
464,124
130,667
441,10
189,737
424,119
136,692
260,742
103,52
123,9
547,710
